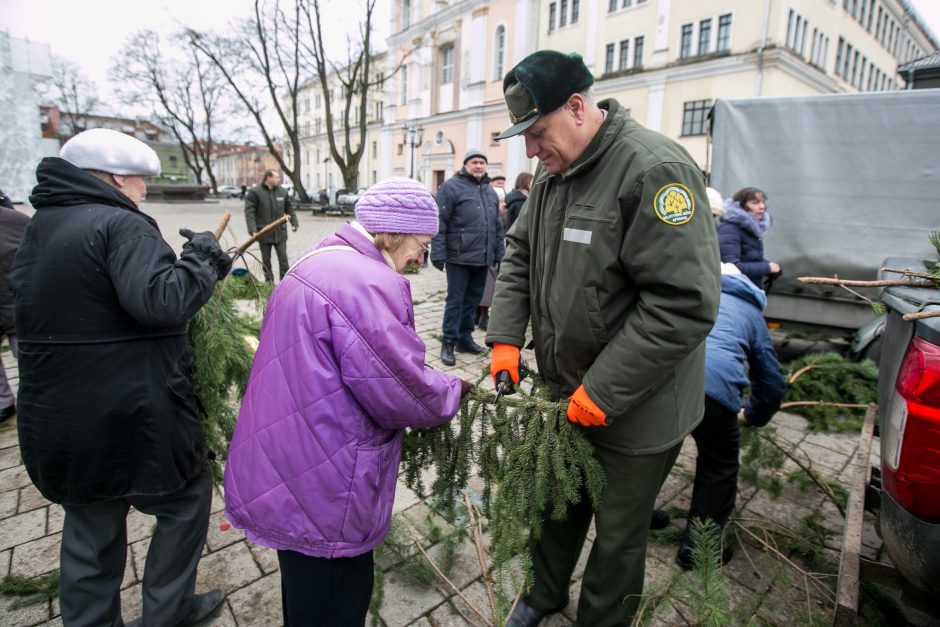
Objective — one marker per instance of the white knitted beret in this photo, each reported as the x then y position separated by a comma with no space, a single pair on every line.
111,151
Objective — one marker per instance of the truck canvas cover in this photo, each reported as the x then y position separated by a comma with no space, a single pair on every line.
851,179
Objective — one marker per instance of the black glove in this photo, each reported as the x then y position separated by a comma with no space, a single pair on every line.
207,245
438,264
465,386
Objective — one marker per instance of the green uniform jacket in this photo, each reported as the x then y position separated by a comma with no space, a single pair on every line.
263,206
616,263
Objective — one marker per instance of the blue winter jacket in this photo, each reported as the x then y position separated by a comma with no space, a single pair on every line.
739,353
471,230
740,241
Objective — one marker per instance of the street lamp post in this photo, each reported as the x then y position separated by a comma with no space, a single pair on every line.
411,135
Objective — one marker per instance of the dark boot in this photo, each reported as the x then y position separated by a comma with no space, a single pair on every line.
660,519
684,556
470,347
447,353
203,606
524,616
484,321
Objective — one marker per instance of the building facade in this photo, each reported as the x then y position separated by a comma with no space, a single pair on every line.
664,60
241,164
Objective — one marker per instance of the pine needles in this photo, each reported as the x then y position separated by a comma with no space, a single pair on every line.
529,458
825,380
30,591
222,358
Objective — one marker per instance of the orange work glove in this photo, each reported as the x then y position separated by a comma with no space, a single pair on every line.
505,357
581,409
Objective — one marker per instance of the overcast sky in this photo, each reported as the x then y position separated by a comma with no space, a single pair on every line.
91,32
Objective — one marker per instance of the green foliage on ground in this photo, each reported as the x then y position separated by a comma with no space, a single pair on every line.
30,590
830,378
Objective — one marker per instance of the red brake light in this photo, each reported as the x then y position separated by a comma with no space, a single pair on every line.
915,482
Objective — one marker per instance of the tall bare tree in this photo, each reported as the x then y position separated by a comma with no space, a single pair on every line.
184,93
265,57
73,93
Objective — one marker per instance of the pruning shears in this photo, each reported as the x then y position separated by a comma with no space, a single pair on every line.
503,384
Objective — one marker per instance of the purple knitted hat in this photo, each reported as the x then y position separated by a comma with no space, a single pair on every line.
398,205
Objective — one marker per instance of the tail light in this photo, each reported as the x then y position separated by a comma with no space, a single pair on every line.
912,434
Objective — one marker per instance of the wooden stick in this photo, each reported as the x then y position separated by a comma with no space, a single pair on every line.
919,275
789,404
920,315
816,280
796,375
473,608
222,224
254,238
481,555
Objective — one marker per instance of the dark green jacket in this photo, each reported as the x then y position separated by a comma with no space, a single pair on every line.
616,263
263,206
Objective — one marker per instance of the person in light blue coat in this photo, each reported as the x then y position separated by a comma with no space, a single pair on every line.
739,354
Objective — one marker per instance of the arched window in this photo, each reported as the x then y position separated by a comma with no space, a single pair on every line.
499,53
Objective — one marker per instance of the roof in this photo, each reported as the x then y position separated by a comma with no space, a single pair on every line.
930,62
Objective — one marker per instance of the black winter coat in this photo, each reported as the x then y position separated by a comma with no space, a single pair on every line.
741,244
106,406
471,230
514,201
12,225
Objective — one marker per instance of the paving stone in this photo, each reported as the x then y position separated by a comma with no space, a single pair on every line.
22,528
132,602
230,569
55,518
14,477
24,616
139,525
5,557
8,434
466,564
139,556
37,557
830,461
10,457
845,443
791,421
447,614
404,496
265,558
218,502
782,511
216,538
258,603
8,502
404,602
31,498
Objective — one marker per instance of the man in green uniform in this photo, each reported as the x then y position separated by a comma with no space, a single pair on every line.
614,260
265,203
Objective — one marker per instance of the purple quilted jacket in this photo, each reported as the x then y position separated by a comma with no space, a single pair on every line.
338,375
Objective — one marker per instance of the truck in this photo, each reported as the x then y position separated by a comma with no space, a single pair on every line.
850,178
909,425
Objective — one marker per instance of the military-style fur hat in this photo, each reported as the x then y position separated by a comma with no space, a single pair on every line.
541,83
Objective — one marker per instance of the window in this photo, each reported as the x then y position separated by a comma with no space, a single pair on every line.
563,14
404,85
447,65
704,36
693,117
375,149
378,111
575,11
493,140
318,125
499,53
624,55
316,101
306,105
724,33
638,52
609,59
552,10
400,149
685,42
791,29
837,67
405,14
612,6
174,161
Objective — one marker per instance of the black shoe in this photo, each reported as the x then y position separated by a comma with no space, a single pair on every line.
483,322
447,353
470,347
7,412
684,555
203,606
660,519
524,616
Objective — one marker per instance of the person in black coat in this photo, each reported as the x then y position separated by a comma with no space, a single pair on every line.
516,198
741,233
12,225
106,413
470,240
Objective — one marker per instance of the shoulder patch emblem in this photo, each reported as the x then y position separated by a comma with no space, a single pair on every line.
673,204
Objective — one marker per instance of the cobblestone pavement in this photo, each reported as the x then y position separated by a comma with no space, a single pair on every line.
30,527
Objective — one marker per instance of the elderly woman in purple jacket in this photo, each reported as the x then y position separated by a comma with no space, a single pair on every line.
338,375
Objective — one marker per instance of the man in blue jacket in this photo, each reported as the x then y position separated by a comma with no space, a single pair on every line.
470,239
738,354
